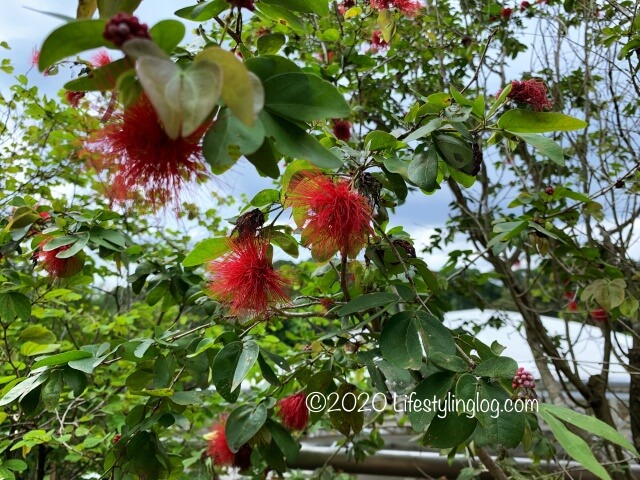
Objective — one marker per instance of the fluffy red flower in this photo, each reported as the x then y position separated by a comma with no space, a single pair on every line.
73,98
533,92
599,315
58,267
101,59
408,7
506,12
377,42
294,411
333,216
342,129
219,451
35,57
123,27
245,280
218,448
135,147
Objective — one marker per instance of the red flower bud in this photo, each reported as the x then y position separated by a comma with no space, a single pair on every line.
122,27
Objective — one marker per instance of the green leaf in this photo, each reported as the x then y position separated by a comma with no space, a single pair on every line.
271,43
286,242
243,423
588,423
51,390
285,442
203,11
423,170
265,197
15,464
303,97
497,367
545,145
281,16
14,305
527,121
183,98
321,7
237,88
102,78
436,387
37,334
424,130
454,151
231,365
167,34
367,301
378,140
70,39
186,398
450,431
575,446
294,142
268,66
229,139
346,416
21,389
206,251
501,427
445,361
108,8
61,358
404,335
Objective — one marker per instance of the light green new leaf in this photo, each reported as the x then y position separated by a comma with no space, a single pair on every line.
182,98
545,145
527,121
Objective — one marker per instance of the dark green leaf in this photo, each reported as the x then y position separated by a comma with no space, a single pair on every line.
303,97
321,7
497,367
14,305
436,387
450,431
51,390
294,142
243,423
102,78
367,301
423,170
70,39
453,363
167,34
285,442
203,11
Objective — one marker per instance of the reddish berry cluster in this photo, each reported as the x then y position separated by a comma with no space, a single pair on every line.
523,379
342,129
122,27
531,91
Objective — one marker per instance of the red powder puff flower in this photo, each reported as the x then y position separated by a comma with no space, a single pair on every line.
599,315
377,42
408,7
218,448
219,451
573,306
245,280
58,267
35,57
294,411
101,59
342,129
142,156
123,27
333,216
533,92
506,12
380,4
248,4
73,98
